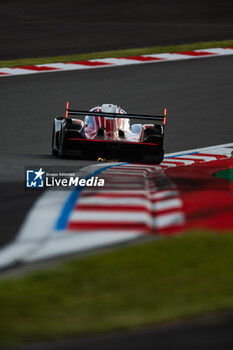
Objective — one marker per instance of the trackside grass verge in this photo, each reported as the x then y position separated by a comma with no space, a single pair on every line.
115,53
158,281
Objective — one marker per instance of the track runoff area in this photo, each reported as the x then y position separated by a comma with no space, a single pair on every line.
190,189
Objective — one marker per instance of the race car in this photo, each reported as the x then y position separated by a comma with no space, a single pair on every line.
107,133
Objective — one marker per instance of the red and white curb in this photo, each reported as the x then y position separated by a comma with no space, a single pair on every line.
138,199
114,62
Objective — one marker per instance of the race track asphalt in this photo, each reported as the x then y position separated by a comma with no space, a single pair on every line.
53,27
197,93
208,333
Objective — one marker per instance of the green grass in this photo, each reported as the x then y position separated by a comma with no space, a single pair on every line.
115,53
138,285
225,174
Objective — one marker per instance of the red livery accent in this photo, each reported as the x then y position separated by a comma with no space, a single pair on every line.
135,143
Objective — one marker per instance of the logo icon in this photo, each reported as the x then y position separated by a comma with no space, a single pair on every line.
35,178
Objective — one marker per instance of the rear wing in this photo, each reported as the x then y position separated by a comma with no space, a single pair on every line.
158,118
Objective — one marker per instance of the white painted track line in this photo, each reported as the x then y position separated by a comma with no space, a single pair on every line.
167,204
110,216
167,220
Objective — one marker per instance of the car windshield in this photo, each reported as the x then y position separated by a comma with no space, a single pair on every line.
89,120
